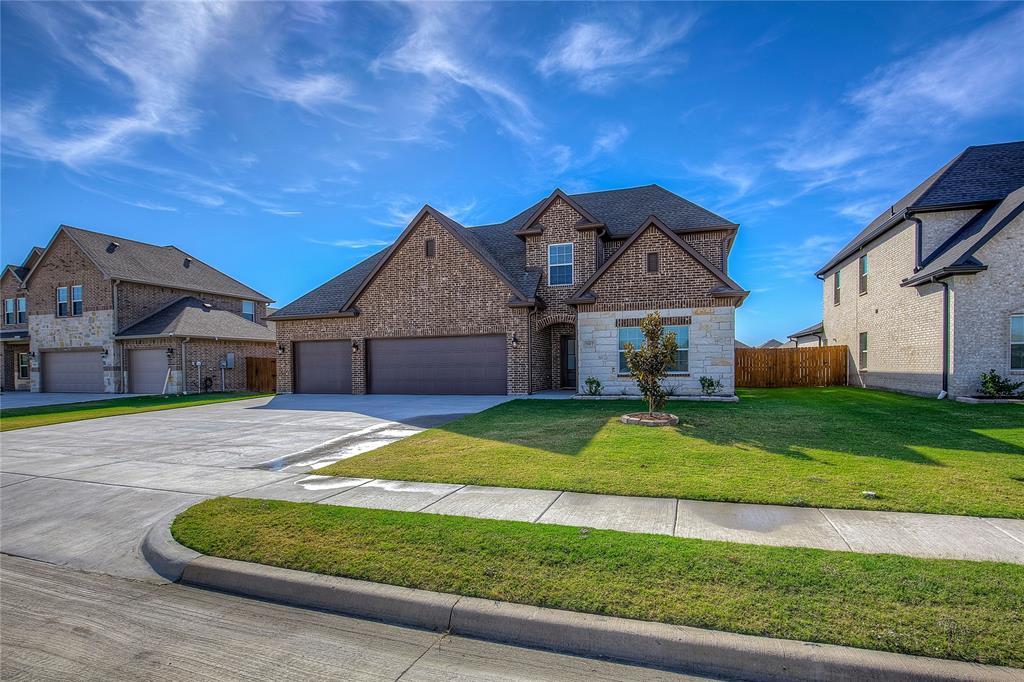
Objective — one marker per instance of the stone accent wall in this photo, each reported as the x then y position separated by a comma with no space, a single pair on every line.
904,324
712,335
136,301
559,227
452,294
681,282
982,305
93,329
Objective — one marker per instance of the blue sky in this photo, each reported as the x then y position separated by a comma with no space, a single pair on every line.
283,143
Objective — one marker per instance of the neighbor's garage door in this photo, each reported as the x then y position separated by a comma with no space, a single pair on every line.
323,366
72,372
147,370
456,365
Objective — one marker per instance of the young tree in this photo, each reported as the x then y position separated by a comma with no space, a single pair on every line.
650,363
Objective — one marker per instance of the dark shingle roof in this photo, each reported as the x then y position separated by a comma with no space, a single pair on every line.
188,316
166,266
622,211
978,174
818,328
771,343
957,254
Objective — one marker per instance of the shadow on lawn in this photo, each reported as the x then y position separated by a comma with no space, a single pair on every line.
792,423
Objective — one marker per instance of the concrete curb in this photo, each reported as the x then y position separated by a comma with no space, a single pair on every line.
673,647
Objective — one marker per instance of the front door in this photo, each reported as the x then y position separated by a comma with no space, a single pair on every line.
568,355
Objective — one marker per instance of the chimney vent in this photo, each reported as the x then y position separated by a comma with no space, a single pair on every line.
188,261
112,247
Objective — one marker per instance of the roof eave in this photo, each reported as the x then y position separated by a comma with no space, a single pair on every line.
943,273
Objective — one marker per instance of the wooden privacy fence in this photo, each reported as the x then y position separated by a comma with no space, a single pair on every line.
261,374
781,367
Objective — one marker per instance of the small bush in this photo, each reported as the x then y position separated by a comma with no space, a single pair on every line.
996,386
710,385
593,386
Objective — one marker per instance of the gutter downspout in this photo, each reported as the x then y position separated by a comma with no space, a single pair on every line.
945,337
184,368
118,348
529,350
918,238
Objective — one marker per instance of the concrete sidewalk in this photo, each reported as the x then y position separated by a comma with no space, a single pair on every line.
870,532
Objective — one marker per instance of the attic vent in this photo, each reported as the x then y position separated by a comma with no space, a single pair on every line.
208,306
188,261
112,246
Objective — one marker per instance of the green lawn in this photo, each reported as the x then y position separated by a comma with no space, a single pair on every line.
972,611
807,447
44,415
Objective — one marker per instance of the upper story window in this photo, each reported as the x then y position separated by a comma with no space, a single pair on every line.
634,336
863,350
9,315
430,247
559,264
835,288
1017,342
864,274
652,261
62,301
249,310
76,300
22,310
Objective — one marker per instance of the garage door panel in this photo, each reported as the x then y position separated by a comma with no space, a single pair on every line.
453,365
72,372
323,366
147,370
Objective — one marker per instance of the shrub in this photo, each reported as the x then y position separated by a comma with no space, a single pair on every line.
593,386
710,385
996,386
650,363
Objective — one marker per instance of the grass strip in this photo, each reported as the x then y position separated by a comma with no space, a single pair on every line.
45,415
972,611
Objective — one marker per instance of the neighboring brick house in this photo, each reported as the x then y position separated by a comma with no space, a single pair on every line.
113,315
931,293
541,301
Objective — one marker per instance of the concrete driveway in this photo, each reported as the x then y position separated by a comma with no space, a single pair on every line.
12,399
82,494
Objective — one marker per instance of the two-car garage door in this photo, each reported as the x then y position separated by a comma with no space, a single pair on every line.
452,365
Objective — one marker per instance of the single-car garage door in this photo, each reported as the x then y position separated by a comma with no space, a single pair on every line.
323,366
454,365
147,370
72,371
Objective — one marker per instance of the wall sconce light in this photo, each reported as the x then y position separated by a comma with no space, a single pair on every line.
515,341
32,355
170,352
355,346
280,349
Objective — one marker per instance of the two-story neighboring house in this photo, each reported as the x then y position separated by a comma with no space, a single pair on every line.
931,293
94,313
541,301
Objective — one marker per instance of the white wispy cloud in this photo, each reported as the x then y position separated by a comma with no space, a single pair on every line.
153,206
431,49
864,210
349,243
309,91
599,55
925,95
152,52
738,176
282,212
797,260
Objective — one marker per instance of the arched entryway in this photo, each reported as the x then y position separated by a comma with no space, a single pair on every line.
555,351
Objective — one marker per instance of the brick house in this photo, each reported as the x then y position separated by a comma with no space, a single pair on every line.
931,293
541,301
95,313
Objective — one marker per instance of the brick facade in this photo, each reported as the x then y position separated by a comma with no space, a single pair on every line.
137,301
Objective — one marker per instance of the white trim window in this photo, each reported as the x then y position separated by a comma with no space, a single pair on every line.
634,336
1017,343
22,310
9,311
249,310
62,301
863,351
76,300
560,264
23,365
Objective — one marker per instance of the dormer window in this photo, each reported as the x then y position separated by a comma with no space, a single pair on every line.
249,310
559,264
430,248
652,262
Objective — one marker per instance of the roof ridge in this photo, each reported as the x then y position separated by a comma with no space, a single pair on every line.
114,236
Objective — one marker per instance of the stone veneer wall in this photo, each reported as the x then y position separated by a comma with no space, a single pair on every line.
92,329
712,335
982,305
